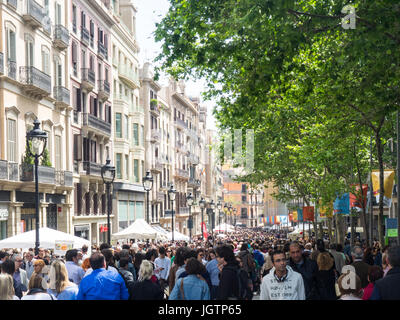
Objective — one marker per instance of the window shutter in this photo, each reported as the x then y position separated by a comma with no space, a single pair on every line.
91,101
91,28
78,100
74,52
95,106
12,53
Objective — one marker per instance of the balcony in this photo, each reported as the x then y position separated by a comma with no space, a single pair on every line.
159,197
194,183
85,36
12,70
155,136
33,14
1,63
128,76
183,210
36,83
92,168
157,166
64,178
46,175
154,108
104,90
102,51
193,159
202,118
61,37
95,124
13,3
62,96
181,174
180,123
88,78
9,170
193,134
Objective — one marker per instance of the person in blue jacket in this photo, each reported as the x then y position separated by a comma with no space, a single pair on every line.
102,284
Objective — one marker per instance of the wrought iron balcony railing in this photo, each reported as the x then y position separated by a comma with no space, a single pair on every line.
62,95
92,168
85,36
102,50
61,37
35,80
1,63
12,69
33,13
95,123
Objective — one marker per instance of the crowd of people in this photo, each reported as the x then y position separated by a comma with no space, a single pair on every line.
244,264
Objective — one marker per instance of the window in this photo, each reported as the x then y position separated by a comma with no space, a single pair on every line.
91,33
58,13
58,72
127,167
135,134
77,147
29,51
118,166
74,49
244,188
142,135
12,140
83,19
136,170
11,52
58,151
244,199
74,20
126,127
118,130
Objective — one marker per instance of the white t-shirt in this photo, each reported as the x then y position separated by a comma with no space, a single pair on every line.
162,263
38,296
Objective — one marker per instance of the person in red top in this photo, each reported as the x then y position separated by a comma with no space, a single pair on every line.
374,273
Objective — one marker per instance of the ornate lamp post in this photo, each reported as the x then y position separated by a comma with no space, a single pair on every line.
189,200
172,194
36,140
202,204
108,176
219,206
212,206
148,185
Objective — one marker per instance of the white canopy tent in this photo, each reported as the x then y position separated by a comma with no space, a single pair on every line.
178,236
47,238
224,228
162,234
139,229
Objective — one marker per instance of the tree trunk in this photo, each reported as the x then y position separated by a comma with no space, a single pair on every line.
379,149
330,230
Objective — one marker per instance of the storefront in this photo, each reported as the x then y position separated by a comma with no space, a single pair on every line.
82,231
3,220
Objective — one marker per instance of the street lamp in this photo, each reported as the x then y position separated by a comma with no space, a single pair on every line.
108,176
172,194
219,206
36,140
189,200
234,213
230,212
202,204
148,185
212,206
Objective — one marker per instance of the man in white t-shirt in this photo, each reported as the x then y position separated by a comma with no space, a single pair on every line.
162,265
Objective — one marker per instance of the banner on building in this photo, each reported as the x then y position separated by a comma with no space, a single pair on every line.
300,215
308,213
388,182
295,218
391,227
291,217
325,211
61,247
205,233
283,219
342,204
356,199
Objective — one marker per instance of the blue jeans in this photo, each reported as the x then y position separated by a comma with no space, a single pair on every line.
213,292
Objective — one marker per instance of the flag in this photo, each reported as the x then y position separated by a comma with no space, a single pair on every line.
291,217
388,182
295,218
308,213
205,233
355,199
283,219
342,204
300,215
325,211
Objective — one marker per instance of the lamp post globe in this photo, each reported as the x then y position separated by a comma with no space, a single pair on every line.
189,201
171,195
108,176
202,204
36,140
147,185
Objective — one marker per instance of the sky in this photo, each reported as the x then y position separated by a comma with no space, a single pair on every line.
149,13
